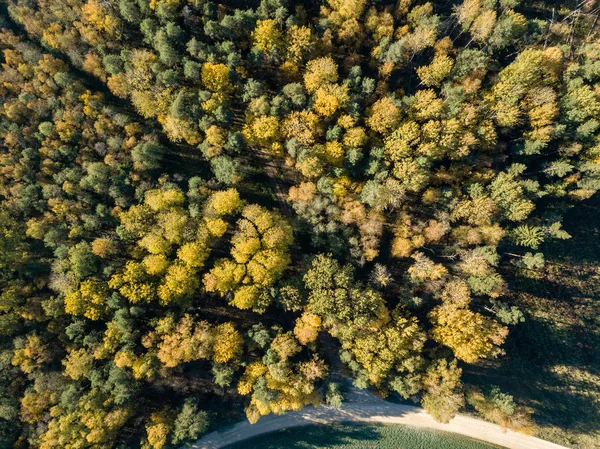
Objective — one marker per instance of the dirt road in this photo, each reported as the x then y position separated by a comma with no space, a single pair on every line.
362,406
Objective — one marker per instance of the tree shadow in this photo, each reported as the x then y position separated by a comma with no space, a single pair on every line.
552,361
312,436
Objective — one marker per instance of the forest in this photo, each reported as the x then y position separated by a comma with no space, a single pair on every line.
212,209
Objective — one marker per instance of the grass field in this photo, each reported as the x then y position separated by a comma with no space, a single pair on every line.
360,436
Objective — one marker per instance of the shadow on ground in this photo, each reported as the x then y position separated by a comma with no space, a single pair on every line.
361,436
553,358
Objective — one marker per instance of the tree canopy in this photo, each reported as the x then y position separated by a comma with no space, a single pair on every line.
211,206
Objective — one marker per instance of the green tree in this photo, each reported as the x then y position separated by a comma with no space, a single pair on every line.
443,395
190,423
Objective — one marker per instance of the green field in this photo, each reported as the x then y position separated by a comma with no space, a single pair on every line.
360,436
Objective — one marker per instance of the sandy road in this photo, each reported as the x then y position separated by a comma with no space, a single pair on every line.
362,406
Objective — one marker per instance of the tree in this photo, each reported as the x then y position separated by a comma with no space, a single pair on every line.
424,269
500,408
78,364
394,133
319,72
30,353
307,328
384,115
179,283
88,300
215,77
228,343
345,17
158,428
443,397
470,335
333,395
259,258
224,202
185,341
190,423
434,73
329,98
226,170
341,304
267,37
82,260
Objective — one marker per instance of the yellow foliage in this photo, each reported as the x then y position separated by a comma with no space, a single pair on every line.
94,13
158,430
104,247
380,24
302,125
228,343
173,225
216,226
78,363
253,371
310,167
434,73
180,282
194,254
224,202
304,192
483,25
245,297
383,116
346,121
334,153
185,341
401,247
318,72
52,33
179,129
425,269
132,283
355,137
215,77
34,404
267,36
427,105
33,354
124,359
224,276
171,4
470,335
307,328
299,44
285,345
329,98
263,130
164,199
89,300
155,243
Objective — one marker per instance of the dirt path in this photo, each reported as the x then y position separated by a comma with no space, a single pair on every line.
362,406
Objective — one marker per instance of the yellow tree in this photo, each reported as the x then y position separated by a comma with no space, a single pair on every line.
319,72
384,115
228,343
267,36
307,328
259,258
470,335
215,77
184,341
88,300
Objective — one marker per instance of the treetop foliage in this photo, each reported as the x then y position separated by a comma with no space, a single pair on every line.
233,203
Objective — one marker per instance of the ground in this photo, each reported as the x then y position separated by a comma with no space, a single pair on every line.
552,361
357,436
